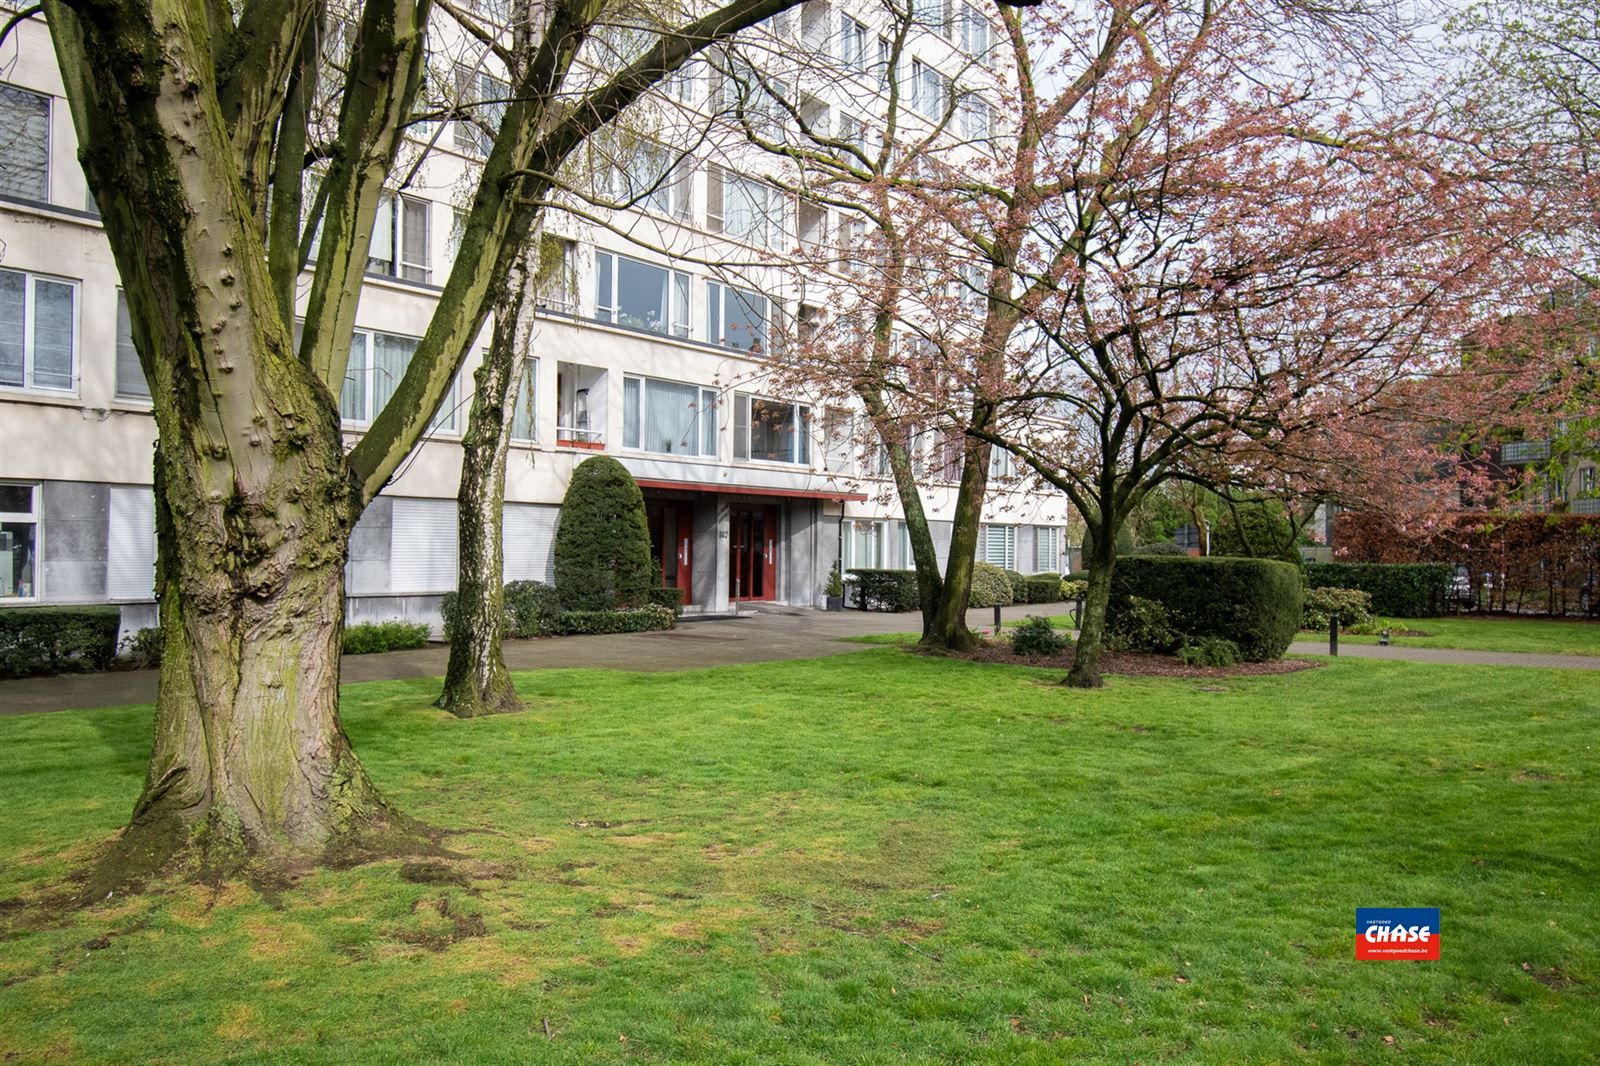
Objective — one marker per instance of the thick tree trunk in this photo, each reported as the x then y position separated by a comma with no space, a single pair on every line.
1101,558
476,680
949,627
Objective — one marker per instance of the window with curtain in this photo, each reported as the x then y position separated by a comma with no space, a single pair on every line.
736,318
525,417
484,97
24,144
668,417
864,545
377,363
771,431
399,247
38,331
1046,549
131,383
641,295
744,209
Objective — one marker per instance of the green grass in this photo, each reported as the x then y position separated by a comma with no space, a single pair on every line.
871,858
1546,636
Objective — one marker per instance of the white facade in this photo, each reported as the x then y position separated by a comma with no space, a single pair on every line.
638,355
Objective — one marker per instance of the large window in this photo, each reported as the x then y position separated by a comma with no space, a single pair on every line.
484,97
771,431
668,417
736,318
1046,549
631,293
855,45
24,144
743,209
932,15
399,246
652,176
976,34
131,383
19,535
377,363
999,546
977,118
929,90
863,545
525,418
37,331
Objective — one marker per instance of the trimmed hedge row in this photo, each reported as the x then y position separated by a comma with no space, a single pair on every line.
53,640
634,620
365,638
885,590
1041,588
1256,603
1400,590
668,597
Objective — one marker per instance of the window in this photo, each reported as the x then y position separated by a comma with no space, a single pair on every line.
736,318
682,84
928,90
838,440
948,459
668,417
884,65
863,546
557,275
999,546
1000,464
399,246
483,96
24,144
377,363
37,331
743,209
525,418
1046,549
130,375
931,15
771,431
1586,480
19,533
977,118
641,296
646,174
977,36
853,45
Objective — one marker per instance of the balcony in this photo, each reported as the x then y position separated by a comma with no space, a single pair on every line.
580,406
1524,451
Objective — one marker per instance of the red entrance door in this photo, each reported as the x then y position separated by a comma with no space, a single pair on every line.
753,553
672,539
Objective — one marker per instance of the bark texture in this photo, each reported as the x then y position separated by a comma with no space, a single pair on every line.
1085,672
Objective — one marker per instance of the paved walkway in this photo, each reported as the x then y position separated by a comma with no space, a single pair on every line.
764,636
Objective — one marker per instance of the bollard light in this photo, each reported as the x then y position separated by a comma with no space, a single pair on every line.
1383,638
1333,633
997,618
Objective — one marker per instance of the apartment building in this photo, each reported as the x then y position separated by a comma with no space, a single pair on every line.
643,352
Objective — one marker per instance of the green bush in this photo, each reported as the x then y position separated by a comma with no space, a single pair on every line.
1145,625
1073,588
1019,586
885,590
1404,590
602,546
366,638
1035,635
632,620
1163,547
1354,607
1256,603
1042,588
143,648
530,606
52,640
669,597
990,587
1209,651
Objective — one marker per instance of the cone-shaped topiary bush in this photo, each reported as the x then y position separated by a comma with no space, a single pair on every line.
602,544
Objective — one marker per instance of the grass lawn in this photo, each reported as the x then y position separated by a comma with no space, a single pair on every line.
1543,635
869,858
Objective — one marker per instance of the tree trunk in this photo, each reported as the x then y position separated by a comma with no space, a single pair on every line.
1100,559
476,681
949,629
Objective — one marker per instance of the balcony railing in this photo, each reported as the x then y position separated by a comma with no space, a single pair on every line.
1586,505
572,437
1525,451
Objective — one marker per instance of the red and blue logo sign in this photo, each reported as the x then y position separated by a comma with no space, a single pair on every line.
1384,933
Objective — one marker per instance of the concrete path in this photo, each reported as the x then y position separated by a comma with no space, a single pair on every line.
1458,656
764,636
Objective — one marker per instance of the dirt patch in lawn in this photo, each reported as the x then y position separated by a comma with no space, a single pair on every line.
1138,664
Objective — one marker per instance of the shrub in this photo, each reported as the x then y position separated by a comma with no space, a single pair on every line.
835,586
990,587
1073,588
1035,635
367,637
1209,651
1145,625
668,597
531,607
144,647
632,620
602,546
1253,602
1406,590
1164,547
1354,607
1042,588
1019,586
51,640
886,590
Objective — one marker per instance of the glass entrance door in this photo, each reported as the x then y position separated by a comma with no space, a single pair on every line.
753,553
671,542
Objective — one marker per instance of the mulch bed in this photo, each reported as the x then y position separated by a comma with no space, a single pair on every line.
1138,664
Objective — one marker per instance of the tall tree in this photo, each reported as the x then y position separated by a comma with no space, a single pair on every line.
188,115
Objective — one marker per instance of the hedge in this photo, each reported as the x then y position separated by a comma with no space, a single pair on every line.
990,587
602,545
668,597
1255,603
530,606
885,590
633,620
365,638
51,640
1399,590
1042,588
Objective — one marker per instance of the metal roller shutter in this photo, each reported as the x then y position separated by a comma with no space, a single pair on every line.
530,536
131,543
422,546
